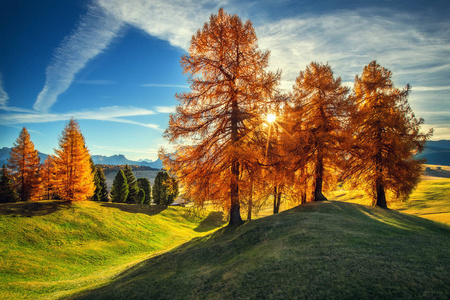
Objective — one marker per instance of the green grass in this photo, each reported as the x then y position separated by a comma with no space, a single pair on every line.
325,250
51,249
430,200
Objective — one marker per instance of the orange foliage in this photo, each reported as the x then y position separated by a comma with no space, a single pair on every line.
385,137
24,163
74,179
229,88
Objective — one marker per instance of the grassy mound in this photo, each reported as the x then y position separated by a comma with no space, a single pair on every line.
320,250
50,249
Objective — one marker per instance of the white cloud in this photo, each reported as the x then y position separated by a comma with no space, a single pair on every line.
173,21
430,88
3,95
94,33
111,114
165,109
349,40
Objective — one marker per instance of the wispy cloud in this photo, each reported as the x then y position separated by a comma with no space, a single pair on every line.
3,95
174,21
165,109
110,114
94,33
165,85
431,88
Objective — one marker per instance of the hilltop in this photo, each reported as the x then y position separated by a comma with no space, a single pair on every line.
317,251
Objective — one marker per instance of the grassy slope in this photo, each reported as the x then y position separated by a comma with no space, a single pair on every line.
50,249
430,200
320,250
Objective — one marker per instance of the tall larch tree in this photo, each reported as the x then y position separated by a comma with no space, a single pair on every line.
385,138
324,110
24,162
7,191
74,176
228,86
119,189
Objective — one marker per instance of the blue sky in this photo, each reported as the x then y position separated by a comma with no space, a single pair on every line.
114,65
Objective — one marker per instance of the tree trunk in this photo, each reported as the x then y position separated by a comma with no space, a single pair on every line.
250,201
318,196
275,197
235,208
381,196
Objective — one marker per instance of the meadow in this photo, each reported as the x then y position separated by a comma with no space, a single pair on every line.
340,248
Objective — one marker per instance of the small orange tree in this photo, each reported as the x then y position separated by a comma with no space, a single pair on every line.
24,163
228,88
74,176
385,137
48,177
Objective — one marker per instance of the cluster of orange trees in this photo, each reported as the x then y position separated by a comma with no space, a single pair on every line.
320,134
68,173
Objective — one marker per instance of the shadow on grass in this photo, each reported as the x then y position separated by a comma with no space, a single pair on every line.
32,209
214,220
150,210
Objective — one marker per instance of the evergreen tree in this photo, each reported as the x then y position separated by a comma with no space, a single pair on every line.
385,137
140,196
103,187
74,177
229,84
144,184
7,192
24,163
133,187
165,189
119,189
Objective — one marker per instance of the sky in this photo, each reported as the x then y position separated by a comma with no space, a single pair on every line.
114,65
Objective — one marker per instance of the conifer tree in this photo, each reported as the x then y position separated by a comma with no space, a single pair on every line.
119,189
144,184
7,191
74,177
133,188
140,197
322,110
229,84
24,162
385,137
165,189
101,189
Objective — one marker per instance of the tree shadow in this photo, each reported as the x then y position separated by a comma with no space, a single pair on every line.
32,209
150,210
212,221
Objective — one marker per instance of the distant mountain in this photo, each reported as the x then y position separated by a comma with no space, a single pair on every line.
437,152
122,160
98,159
5,151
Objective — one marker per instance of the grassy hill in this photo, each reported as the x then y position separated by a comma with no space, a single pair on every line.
326,250
50,249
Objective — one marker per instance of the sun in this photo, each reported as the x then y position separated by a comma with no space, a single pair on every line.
271,118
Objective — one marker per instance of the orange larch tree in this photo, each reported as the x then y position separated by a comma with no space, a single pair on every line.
74,176
47,175
323,110
385,137
229,85
24,163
